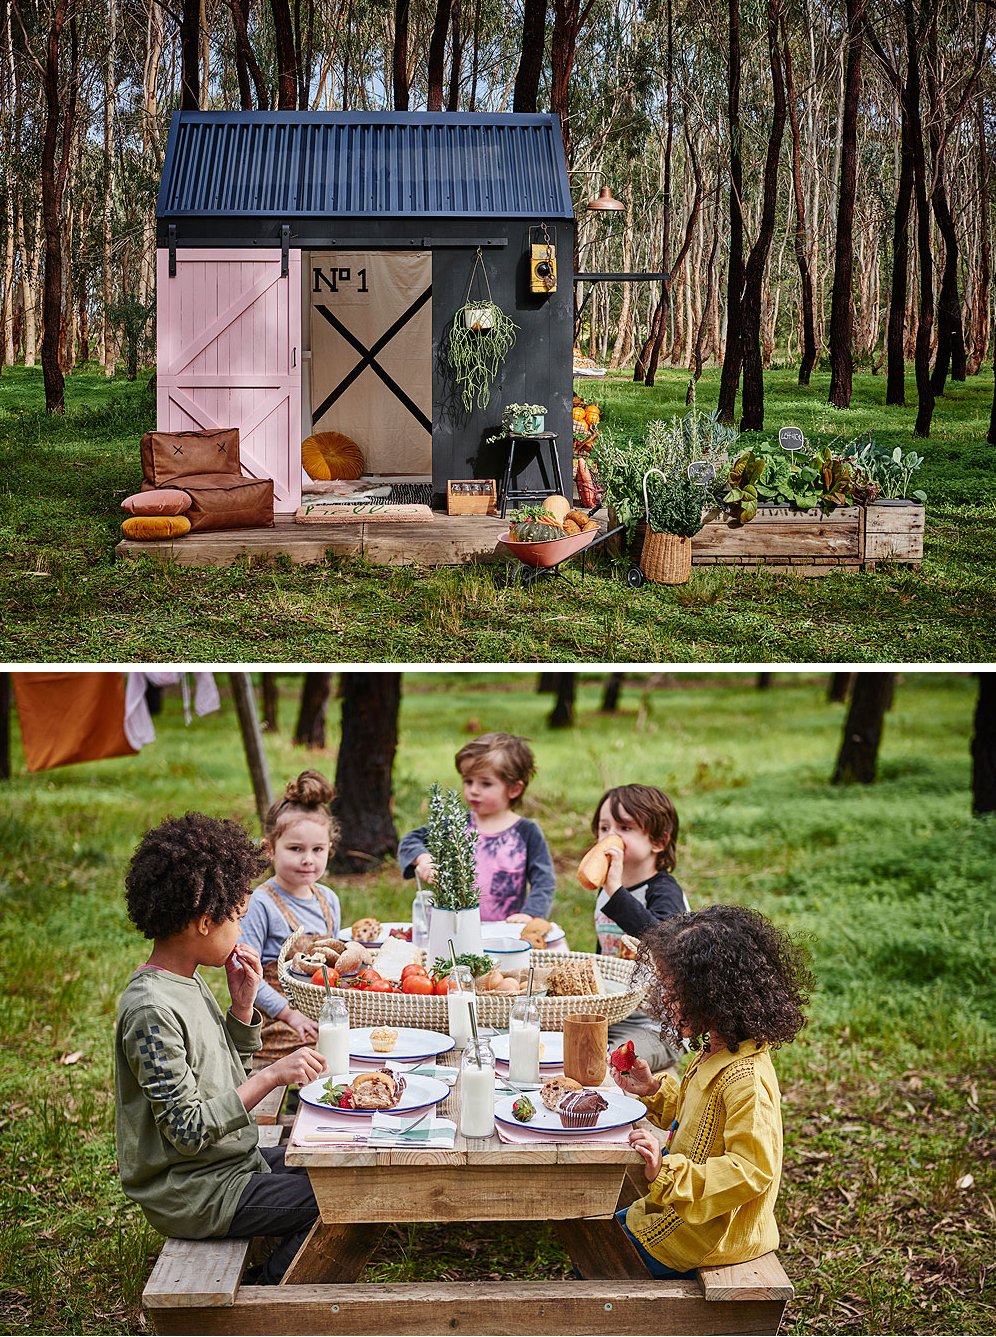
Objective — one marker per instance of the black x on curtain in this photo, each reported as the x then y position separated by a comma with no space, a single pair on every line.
371,354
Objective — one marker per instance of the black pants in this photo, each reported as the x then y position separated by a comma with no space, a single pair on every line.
279,1203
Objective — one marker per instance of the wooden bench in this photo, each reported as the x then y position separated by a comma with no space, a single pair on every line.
195,1274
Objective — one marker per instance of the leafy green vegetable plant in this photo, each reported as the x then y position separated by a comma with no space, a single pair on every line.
891,472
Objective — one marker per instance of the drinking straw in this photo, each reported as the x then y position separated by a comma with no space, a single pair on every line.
472,1012
325,977
529,986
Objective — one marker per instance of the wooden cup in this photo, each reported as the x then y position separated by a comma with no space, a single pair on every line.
586,1042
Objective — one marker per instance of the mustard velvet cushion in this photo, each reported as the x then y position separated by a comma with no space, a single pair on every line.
328,455
155,527
160,501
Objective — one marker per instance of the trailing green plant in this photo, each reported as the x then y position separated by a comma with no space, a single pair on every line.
891,472
476,354
451,843
675,507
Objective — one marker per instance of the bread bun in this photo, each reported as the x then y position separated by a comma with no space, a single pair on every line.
594,867
367,930
534,932
553,1091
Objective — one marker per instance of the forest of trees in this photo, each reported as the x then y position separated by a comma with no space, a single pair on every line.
815,176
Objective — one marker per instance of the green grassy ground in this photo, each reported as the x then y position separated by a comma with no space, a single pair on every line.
63,480
889,1093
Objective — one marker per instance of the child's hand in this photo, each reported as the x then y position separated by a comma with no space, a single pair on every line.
639,1081
245,975
425,868
518,919
297,1021
643,1141
613,878
298,1069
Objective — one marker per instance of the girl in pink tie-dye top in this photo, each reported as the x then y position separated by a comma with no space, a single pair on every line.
514,867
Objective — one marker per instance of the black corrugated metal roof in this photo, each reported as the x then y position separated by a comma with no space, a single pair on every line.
364,164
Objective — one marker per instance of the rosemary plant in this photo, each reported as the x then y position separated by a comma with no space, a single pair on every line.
451,843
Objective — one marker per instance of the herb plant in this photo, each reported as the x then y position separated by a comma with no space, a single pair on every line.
451,843
477,965
890,471
675,506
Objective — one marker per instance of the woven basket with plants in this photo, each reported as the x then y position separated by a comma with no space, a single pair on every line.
674,516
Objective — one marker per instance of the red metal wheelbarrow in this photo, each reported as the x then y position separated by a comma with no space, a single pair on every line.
539,559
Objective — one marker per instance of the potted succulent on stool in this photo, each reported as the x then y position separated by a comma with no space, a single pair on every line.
456,897
674,516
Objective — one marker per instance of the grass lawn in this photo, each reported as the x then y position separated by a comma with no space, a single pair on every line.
63,480
886,1207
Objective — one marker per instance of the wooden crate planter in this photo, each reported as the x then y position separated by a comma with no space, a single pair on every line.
812,542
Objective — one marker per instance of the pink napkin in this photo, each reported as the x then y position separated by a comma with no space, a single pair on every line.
610,1137
335,1126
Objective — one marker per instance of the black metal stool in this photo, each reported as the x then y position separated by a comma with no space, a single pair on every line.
529,494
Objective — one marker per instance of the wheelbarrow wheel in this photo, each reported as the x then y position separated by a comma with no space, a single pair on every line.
635,578
516,575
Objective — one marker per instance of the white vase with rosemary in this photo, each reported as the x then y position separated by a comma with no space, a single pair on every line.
456,897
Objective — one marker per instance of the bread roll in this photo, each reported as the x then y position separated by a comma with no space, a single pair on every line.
594,867
534,932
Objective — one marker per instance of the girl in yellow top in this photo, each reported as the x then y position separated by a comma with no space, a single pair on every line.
735,986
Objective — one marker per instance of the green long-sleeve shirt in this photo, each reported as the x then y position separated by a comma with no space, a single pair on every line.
186,1143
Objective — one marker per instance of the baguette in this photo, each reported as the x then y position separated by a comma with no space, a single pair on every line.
594,867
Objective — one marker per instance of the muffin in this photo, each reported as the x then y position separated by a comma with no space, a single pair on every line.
555,1089
383,1039
580,1109
367,930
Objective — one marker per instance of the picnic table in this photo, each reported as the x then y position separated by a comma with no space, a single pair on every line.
576,1186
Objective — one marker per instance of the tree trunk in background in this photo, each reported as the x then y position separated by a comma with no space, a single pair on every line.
613,688
871,697
252,741
243,52
707,304
53,183
283,33
368,742
981,286
456,57
752,402
808,358
895,390
841,336
5,707
764,681
110,161
271,700
562,715
310,728
530,69
190,77
399,63
569,17
437,54
925,313
983,747
839,686
733,357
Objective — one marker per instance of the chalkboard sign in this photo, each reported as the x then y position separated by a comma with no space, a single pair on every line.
791,438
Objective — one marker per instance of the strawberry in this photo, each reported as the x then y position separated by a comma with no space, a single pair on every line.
623,1058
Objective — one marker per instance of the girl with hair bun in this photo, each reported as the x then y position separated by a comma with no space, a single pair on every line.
299,835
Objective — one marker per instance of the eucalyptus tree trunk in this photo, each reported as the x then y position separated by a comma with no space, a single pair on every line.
733,358
753,389
310,728
190,68
283,36
363,775
54,168
530,69
984,747
871,697
437,54
925,313
399,60
841,305
110,162
980,325
456,57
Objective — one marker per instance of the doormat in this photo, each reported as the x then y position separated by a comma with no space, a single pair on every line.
360,513
412,494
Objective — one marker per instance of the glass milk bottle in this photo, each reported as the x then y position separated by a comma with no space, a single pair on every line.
333,1034
460,998
420,920
523,1042
477,1090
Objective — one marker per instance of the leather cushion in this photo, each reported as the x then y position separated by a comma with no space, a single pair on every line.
168,455
223,501
158,501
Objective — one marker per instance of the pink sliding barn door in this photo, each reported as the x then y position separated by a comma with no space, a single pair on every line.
229,355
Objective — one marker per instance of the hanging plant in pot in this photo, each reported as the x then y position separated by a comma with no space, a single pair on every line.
479,341
456,908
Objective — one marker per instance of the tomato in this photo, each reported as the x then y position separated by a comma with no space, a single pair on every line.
412,970
379,986
440,988
369,975
319,979
417,984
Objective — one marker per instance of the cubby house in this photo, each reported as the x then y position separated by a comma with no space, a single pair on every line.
309,268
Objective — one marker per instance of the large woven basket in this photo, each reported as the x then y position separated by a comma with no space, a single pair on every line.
430,1013
666,558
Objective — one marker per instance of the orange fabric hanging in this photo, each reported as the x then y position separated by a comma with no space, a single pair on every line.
71,717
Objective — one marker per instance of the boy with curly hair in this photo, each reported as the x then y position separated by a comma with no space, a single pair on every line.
188,1150
735,986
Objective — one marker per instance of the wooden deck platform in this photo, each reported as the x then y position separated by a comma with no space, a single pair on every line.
448,540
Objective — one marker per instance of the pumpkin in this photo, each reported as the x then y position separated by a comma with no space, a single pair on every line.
558,507
328,455
592,415
578,414
535,532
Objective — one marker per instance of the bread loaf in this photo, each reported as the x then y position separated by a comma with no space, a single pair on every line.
576,979
594,867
